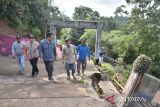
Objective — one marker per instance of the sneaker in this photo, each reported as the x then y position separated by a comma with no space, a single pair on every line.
74,78
78,74
33,75
68,78
50,78
36,73
21,73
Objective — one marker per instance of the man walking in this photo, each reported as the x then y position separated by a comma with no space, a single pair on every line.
101,55
18,53
32,48
69,58
83,52
48,53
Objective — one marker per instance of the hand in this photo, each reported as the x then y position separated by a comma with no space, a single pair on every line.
41,59
55,58
13,56
26,58
89,58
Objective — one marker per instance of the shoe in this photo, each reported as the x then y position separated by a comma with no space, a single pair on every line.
78,74
33,75
50,78
68,78
21,73
37,73
74,78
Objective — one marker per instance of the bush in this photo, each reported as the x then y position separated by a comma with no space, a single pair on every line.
121,45
141,64
109,69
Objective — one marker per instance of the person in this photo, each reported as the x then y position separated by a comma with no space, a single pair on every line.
32,48
48,53
83,52
18,53
69,58
101,55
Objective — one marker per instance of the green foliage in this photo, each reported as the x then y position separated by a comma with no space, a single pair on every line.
141,64
76,34
85,13
26,15
121,45
144,22
90,35
109,69
82,13
108,23
36,32
119,71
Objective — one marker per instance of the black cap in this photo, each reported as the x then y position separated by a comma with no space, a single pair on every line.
67,40
83,40
31,36
49,34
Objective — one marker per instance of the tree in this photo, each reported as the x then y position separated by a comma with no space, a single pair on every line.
144,22
28,15
109,23
85,13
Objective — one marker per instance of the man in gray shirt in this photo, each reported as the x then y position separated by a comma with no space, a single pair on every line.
69,58
18,53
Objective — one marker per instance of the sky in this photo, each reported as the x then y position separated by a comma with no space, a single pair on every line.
104,7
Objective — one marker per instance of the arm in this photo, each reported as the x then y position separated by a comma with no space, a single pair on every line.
88,53
75,52
41,50
55,51
63,54
78,49
13,49
25,50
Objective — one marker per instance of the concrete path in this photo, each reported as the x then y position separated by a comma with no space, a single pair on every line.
26,91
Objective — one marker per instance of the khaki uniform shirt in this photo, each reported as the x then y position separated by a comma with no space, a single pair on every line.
69,54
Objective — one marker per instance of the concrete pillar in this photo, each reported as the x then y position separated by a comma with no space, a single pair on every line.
98,39
53,30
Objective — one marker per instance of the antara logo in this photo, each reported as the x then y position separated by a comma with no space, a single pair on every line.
112,99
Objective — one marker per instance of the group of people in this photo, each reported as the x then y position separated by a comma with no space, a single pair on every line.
71,55
46,52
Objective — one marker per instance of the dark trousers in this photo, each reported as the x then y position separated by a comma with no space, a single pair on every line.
49,68
34,65
69,67
83,62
